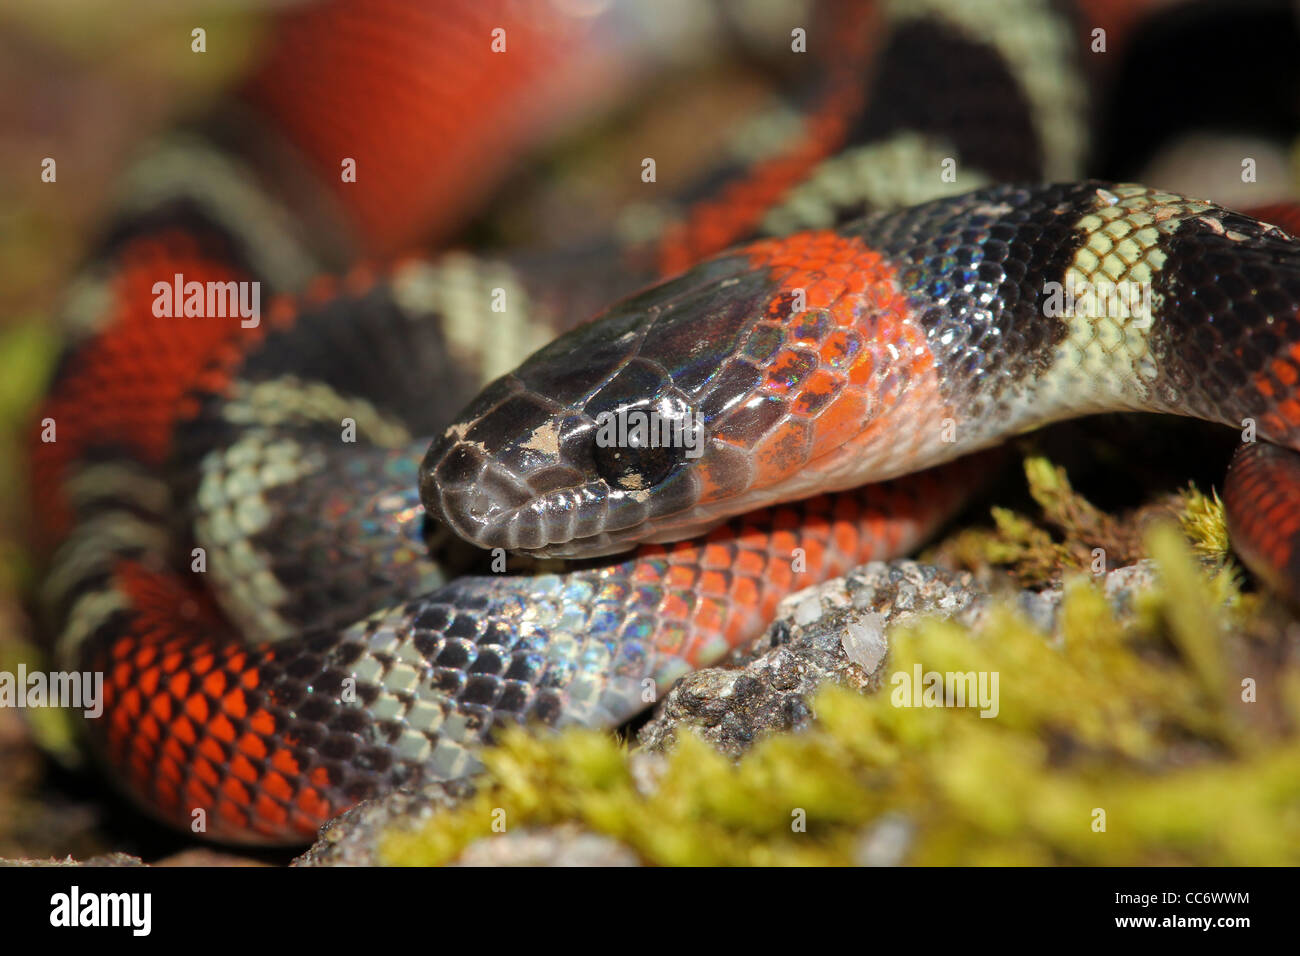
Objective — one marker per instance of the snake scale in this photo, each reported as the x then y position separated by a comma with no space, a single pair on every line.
842,325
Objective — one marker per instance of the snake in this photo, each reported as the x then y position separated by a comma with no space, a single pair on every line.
328,553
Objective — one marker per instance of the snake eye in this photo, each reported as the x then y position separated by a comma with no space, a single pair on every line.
636,469
639,445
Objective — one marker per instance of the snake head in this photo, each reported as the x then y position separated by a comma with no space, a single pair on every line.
706,396
595,436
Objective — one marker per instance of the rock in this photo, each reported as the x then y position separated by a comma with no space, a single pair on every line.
352,838
864,640
835,631
107,859
566,845
838,631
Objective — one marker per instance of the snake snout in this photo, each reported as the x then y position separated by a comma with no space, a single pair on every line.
483,499
468,491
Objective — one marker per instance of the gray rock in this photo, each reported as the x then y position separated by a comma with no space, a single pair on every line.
106,859
839,631
566,845
352,838
835,631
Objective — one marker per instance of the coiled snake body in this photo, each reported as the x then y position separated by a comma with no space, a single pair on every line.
314,655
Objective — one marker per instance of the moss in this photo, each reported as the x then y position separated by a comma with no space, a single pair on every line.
1204,523
1070,534
1039,550
1135,719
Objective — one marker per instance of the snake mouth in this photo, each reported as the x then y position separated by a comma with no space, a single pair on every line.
557,510
528,523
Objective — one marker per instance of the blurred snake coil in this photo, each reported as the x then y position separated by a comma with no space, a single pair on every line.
256,524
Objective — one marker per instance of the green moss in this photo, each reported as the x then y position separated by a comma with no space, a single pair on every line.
1039,550
1204,524
1064,536
1135,719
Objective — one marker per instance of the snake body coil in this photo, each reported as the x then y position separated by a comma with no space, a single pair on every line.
277,642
